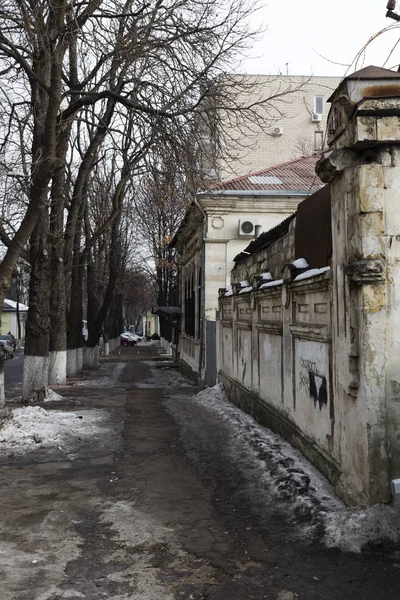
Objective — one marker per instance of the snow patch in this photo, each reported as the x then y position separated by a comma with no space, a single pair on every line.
52,396
311,273
266,276
229,291
303,489
29,427
352,529
300,263
271,284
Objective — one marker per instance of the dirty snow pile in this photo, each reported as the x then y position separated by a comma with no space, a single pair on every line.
31,427
293,481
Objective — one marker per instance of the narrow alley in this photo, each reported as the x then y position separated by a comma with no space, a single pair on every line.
153,502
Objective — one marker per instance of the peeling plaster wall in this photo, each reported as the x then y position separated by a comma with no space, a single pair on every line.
222,243
318,360
275,362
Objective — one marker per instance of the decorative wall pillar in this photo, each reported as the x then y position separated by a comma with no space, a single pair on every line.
363,169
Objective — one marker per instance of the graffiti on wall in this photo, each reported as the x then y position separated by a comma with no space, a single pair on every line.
315,384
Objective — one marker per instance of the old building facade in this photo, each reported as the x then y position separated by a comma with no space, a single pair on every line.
293,126
311,346
218,227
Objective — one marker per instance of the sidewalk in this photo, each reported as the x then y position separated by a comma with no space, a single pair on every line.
145,498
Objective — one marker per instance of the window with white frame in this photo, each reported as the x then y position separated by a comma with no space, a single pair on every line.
319,105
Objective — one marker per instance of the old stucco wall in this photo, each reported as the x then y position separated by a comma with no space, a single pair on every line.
276,363
318,359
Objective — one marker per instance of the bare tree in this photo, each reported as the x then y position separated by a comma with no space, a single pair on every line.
72,76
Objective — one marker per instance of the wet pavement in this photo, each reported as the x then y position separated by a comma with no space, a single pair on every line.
154,508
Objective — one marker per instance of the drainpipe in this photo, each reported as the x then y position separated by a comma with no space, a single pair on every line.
202,265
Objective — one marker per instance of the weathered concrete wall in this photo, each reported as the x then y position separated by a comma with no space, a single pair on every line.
318,358
276,362
222,242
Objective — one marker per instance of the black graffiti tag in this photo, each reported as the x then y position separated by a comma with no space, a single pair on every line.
316,384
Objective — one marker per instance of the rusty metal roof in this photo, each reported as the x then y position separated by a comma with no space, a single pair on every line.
372,72
368,73
296,175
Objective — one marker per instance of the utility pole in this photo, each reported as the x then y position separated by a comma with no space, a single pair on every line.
391,5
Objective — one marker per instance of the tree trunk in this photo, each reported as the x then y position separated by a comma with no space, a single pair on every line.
58,301
75,342
58,319
18,311
93,308
2,392
36,365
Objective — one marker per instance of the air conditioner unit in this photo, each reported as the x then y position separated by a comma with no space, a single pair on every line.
246,228
316,117
277,131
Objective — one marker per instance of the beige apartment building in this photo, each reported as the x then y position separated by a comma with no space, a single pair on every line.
291,124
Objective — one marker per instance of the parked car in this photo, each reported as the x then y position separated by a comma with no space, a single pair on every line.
9,338
127,338
7,348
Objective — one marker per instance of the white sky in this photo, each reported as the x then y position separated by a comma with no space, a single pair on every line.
338,29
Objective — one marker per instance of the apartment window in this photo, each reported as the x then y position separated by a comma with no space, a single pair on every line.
319,105
318,140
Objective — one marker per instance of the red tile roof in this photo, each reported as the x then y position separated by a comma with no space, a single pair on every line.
296,175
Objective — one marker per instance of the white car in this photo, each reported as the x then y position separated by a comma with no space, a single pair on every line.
129,339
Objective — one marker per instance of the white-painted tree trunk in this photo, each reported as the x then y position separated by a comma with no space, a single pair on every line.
2,387
91,357
71,363
36,375
107,349
58,367
79,360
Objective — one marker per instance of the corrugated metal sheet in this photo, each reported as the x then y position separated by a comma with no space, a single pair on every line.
295,175
313,236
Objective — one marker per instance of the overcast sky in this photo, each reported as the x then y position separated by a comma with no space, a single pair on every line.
338,29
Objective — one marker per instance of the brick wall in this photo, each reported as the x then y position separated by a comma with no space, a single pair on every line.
250,147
